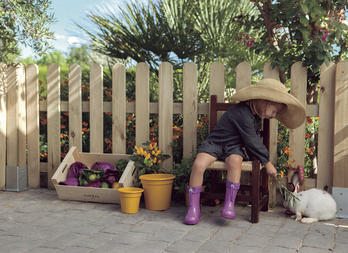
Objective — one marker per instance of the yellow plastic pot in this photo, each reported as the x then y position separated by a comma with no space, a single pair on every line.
130,199
157,190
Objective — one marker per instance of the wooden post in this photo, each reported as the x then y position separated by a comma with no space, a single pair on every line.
33,125
340,172
165,131
326,127
3,88
75,107
53,121
297,136
96,109
190,109
119,109
142,104
269,72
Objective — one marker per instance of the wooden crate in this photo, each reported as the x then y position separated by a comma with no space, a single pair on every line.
91,194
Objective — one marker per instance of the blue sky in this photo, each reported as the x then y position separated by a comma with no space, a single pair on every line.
67,11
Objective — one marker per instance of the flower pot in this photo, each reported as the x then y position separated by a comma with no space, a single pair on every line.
187,199
157,190
130,199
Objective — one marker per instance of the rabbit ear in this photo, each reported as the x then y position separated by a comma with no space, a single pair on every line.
295,179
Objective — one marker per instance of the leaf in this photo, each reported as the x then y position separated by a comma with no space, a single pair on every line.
304,32
304,8
304,20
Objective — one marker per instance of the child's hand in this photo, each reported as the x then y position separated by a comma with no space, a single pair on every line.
271,170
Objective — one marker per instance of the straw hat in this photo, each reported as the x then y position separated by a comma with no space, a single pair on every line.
293,116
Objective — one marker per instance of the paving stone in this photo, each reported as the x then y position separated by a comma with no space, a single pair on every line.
319,240
214,246
253,240
287,241
235,248
130,238
277,249
200,234
94,241
167,235
228,234
305,249
149,247
184,246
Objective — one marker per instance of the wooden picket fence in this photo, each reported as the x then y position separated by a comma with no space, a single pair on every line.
20,107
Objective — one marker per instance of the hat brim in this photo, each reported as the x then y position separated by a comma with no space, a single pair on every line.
293,116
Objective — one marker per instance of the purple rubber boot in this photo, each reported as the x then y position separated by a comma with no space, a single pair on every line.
194,213
230,197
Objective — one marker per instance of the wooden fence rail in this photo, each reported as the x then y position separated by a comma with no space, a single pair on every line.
20,108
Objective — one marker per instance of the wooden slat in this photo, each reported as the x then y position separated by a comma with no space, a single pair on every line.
75,107
119,109
326,126
190,101
96,114
3,85
340,172
269,72
142,105
243,75
33,127
165,118
203,108
217,80
53,121
16,116
297,136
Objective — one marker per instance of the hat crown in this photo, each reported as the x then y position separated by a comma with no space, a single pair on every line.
270,83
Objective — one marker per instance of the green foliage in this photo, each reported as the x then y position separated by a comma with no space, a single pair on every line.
25,22
182,171
175,31
307,31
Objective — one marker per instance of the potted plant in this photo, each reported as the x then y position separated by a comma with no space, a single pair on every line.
157,185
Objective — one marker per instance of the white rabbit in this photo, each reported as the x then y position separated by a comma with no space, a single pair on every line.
314,204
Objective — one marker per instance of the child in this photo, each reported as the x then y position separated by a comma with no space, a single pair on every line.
239,128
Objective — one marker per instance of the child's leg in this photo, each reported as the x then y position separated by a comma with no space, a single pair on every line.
200,164
234,169
195,186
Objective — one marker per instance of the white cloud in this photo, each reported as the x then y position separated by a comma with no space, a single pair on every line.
73,40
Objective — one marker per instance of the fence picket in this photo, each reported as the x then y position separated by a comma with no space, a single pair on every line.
16,116
297,136
326,126
3,85
142,104
75,107
340,172
243,75
33,127
165,106
269,72
96,109
118,109
53,121
190,101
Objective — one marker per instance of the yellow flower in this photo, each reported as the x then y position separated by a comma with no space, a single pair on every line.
150,146
150,164
155,160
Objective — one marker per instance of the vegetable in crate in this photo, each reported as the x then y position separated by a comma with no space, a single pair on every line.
88,175
74,173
